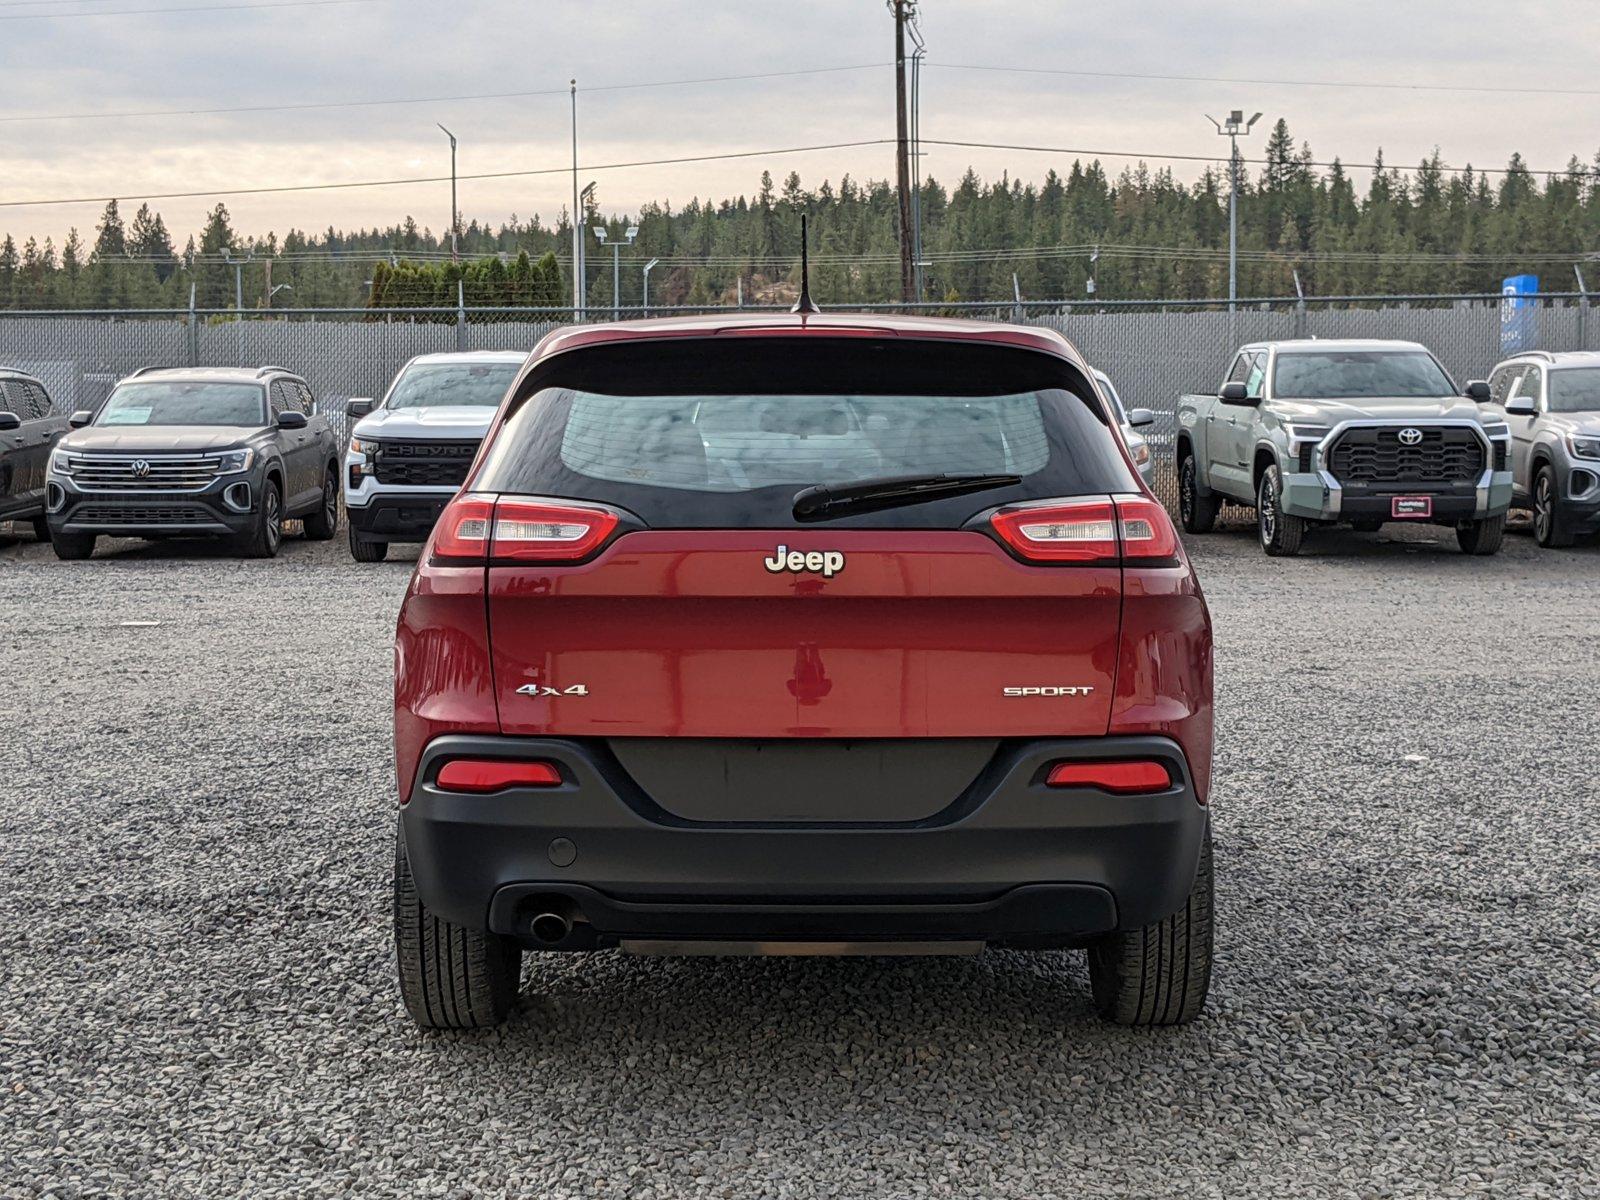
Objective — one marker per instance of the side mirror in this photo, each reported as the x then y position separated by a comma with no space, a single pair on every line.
1478,390
291,418
1521,406
358,407
1235,393
81,418
1138,418
9,420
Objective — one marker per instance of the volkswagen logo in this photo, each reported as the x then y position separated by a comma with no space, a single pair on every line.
141,468
1410,437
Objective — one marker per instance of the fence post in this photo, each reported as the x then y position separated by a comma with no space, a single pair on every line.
1583,308
461,315
192,336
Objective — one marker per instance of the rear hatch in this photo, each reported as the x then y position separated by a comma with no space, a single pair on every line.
650,578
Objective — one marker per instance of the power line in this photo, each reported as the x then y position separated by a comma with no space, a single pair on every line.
1318,83
201,8
1265,162
366,183
332,104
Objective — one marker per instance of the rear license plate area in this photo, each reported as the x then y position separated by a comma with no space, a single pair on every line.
1402,507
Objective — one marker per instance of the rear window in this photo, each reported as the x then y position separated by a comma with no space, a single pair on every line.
715,434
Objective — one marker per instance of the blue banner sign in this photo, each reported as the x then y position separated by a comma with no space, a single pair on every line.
1519,328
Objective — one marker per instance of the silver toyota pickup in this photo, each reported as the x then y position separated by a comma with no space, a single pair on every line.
1355,432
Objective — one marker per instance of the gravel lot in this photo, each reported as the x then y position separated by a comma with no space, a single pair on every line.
197,997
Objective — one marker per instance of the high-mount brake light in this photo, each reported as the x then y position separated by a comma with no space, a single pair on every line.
1133,529
491,775
1121,778
476,529
535,531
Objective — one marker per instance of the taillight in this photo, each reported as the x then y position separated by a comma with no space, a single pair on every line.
462,532
1133,528
1123,778
536,531
489,775
479,528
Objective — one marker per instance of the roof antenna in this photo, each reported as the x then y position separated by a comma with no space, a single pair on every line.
805,304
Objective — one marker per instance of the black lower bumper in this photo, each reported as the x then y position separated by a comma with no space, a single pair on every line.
1010,862
1444,507
1579,518
155,515
390,518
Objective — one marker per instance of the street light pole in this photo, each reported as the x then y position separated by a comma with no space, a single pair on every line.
238,293
644,292
616,266
577,221
455,213
1233,129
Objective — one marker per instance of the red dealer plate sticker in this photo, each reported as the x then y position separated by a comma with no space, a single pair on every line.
1411,506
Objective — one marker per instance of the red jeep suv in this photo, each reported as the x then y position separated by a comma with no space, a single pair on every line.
803,634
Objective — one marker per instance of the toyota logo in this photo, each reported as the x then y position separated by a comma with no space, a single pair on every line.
141,468
1411,437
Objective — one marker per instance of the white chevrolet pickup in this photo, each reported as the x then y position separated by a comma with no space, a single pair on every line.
410,452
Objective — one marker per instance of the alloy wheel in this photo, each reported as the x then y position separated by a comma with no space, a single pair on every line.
1543,509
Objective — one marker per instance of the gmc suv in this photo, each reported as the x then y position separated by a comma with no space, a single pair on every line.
196,452
803,634
409,454
1357,432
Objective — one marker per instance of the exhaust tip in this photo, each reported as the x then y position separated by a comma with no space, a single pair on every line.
551,928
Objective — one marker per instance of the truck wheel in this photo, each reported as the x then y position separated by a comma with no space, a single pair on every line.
364,551
71,547
451,977
263,541
41,529
1280,533
322,524
1548,530
1158,975
1198,513
1482,537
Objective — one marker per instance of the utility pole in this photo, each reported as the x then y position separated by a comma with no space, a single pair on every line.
455,213
238,294
904,10
918,265
1233,129
577,222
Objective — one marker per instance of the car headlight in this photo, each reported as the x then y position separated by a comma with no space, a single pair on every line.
1497,431
367,448
232,461
1306,433
59,464
1583,447
1140,451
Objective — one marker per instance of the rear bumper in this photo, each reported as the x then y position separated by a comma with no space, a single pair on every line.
1011,861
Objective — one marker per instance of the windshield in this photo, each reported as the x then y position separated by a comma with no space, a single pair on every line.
188,403
1358,374
1575,389
686,438
438,385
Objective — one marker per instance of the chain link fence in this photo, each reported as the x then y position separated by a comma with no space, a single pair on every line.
1153,351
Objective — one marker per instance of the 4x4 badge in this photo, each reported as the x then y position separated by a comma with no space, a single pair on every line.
539,689
826,563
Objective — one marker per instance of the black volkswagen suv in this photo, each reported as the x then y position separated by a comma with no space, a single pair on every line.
28,429
196,452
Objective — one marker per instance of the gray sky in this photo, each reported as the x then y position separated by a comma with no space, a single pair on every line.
395,48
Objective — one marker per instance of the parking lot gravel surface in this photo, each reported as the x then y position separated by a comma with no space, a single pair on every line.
197,995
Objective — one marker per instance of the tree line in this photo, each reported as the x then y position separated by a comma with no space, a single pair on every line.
1140,234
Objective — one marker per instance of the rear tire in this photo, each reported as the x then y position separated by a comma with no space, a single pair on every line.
263,541
1159,975
321,525
1198,513
1482,537
364,551
1280,533
451,977
72,547
1548,530
41,529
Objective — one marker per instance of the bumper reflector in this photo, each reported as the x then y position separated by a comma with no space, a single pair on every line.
1123,778
483,775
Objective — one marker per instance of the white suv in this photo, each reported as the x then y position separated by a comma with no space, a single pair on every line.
410,453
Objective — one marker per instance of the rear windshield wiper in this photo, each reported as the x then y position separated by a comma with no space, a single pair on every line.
823,502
